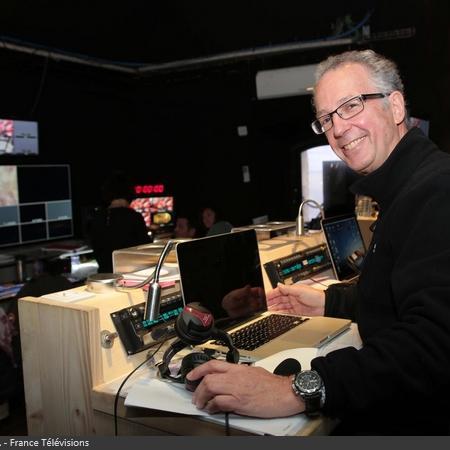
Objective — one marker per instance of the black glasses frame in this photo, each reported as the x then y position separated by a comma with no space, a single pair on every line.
318,125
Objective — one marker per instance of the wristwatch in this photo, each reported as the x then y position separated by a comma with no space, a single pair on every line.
309,386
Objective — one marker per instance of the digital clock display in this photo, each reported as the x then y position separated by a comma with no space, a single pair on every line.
140,189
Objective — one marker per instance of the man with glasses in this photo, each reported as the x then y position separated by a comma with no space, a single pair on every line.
399,381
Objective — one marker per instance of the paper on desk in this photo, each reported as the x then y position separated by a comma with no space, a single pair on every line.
69,296
169,272
163,395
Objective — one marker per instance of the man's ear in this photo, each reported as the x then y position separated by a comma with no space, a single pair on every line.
398,106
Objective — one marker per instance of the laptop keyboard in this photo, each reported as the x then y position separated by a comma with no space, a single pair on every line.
259,333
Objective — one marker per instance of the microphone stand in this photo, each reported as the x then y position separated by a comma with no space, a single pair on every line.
300,228
153,303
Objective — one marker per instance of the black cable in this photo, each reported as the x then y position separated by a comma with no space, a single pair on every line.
116,399
40,89
227,424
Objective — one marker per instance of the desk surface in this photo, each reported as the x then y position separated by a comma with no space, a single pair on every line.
67,366
151,421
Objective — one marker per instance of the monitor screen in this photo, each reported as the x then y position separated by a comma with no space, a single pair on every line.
345,245
155,210
337,197
18,137
35,203
326,179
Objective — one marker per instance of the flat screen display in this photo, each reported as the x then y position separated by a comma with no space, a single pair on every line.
35,203
18,137
157,211
345,245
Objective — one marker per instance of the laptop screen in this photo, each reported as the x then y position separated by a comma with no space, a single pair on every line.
223,273
345,245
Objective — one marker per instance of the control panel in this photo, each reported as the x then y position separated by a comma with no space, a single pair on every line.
298,266
138,334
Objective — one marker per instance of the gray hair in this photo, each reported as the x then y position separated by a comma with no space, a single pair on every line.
383,72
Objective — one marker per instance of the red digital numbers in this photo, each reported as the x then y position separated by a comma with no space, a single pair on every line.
149,189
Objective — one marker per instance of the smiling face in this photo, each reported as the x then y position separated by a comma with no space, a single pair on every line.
364,141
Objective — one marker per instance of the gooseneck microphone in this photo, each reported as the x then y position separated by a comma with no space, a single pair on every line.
153,303
300,225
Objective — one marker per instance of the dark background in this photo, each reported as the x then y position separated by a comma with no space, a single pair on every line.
176,123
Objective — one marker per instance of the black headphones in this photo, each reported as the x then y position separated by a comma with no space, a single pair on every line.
194,326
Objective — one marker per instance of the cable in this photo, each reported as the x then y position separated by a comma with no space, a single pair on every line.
116,399
139,68
40,89
227,424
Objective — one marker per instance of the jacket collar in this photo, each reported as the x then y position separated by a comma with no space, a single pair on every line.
384,183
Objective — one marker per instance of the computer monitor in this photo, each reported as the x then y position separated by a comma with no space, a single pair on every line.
337,197
35,203
326,179
157,211
18,137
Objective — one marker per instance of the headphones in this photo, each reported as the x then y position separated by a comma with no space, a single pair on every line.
194,326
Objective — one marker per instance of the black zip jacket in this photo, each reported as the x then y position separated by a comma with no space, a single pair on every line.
399,382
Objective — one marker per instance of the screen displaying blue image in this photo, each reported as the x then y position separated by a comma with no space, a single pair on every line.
345,245
18,137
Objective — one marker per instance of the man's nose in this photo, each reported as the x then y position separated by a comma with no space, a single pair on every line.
340,126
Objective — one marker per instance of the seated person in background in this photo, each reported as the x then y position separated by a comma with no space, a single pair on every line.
118,226
213,223
185,227
51,279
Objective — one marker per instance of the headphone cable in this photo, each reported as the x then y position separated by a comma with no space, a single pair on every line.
116,399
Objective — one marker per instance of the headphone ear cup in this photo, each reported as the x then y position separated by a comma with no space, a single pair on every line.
190,362
233,353
189,326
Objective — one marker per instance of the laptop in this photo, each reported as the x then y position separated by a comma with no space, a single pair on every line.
223,273
345,246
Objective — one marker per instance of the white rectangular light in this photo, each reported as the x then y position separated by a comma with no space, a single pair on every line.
286,82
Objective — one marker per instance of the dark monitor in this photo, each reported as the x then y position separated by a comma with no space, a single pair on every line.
35,203
18,137
337,179
157,211
223,273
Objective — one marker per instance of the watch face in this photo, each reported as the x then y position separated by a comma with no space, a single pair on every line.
308,381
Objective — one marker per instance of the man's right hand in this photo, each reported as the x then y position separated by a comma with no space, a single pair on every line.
297,299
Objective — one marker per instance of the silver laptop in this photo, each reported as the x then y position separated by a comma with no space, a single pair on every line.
224,274
345,246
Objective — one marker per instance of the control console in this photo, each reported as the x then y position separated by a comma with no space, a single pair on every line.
298,266
138,334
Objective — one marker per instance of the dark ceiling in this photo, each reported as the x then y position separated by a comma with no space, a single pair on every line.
156,32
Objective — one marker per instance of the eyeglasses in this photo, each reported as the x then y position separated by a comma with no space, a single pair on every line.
345,111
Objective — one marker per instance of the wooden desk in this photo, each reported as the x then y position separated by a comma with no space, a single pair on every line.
154,422
140,421
67,372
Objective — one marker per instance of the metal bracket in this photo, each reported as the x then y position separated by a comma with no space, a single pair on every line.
107,338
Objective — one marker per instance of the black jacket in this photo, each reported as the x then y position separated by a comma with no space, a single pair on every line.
399,382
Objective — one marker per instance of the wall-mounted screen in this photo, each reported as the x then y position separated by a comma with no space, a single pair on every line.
35,203
157,211
18,137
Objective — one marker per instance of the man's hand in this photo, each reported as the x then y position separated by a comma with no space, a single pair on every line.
249,391
297,299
